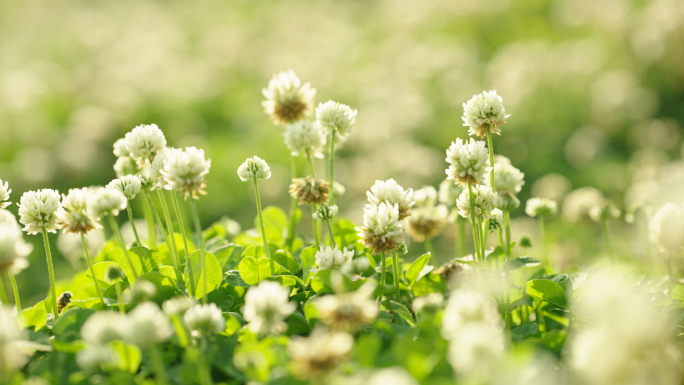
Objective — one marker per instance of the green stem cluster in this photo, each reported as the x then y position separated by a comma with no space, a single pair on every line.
203,254
117,233
51,271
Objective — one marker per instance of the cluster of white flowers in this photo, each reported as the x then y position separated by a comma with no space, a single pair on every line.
125,166
305,137
667,228
267,305
144,142
496,220
483,201
427,222
120,149
348,311
104,327
40,210
328,258
541,207
325,212
141,291
391,192
287,100
484,113
13,248
129,185
356,267
382,230
77,218
5,192
254,168
186,171
468,162
336,117
204,320
320,353
105,201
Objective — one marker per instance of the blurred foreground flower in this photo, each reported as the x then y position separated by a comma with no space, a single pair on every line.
266,307
287,100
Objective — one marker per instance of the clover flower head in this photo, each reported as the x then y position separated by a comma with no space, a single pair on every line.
205,320
356,267
427,222
541,207
468,162
348,311
466,306
148,325
391,192
104,200
13,248
335,116
76,217
475,351
507,179
483,201
186,172
104,327
40,210
506,202
287,100
177,306
305,137
129,185
484,113
308,190
141,291
604,211
325,213
382,230
113,274
146,180
5,192
158,164
496,220
428,303
394,375
425,196
144,142
579,202
120,149
254,168
266,307
95,358
321,352
7,217
667,227
333,259
125,165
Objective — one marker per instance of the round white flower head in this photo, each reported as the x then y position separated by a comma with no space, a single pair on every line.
40,210
577,203
13,249
254,168
144,142
475,351
205,320
177,306
7,217
321,352
394,375
382,230
76,218
105,200
125,166
148,325
333,259
104,327
428,303
508,180
140,291
120,149
425,196
287,100
348,311
266,307
305,137
334,116
392,193
483,201
604,211
186,172
5,192
129,185
95,358
667,227
427,222
484,113
468,307
11,352
496,220
325,213
469,162
158,164
146,181
449,192
540,207
356,267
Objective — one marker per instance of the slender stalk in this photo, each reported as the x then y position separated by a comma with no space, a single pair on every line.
15,289
169,230
261,219
473,221
395,266
90,266
293,208
383,274
501,241
51,271
149,218
161,227
3,291
122,243
158,363
132,222
670,273
179,218
119,297
545,257
331,179
606,237
315,225
490,146
205,378
330,232
428,245
507,228
203,254
484,226
460,238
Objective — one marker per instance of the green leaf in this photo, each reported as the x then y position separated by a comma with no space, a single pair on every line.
332,281
67,328
286,260
128,357
413,272
233,323
345,233
213,271
166,287
677,294
521,262
308,257
287,280
275,221
634,277
165,255
222,298
233,278
431,283
35,316
98,272
254,270
524,331
402,315
150,259
547,290
229,256
297,324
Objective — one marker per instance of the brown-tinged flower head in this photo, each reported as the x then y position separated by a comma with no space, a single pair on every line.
348,311
427,222
316,356
76,217
309,190
391,192
382,230
287,100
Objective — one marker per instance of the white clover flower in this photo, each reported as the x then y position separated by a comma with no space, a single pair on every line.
469,162
76,218
483,201
13,248
205,319
541,207
484,112
507,179
125,166
332,259
104,327
667,227
140,291
40,210
356,267
5,192
120,149
94,358
335,116
254,168
428,303
606,210
325,213
425,196
146,180
382,230
266,307
392,193
287,100
395,376
449,192
147,325
305,137
129,185
177,306
12,354
427,222
144,142
348,311
321,352
496,220
577,203
104,200
186,172
475,351
467,307
158,164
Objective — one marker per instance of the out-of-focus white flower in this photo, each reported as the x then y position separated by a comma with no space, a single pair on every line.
287,100
254,168
266,307
305,137
76,218
7,217
5,192
541,207
425,196
320,353
484,112
129,185
40,210
449,192
325,213
205,320
356,267
347,311
392,193
329,258
382,230
148,325
604,211
475,350
177,306
95,358
140,291
578,202
308,190
496,220
120,149
11,356
468,307
104,200
469,162
104,327
335,116
428,303
508,180
186,172
13,248
667,227
394,375
427,222
125,166
483,201
144,142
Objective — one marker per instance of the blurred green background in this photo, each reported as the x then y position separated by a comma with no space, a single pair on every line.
595,89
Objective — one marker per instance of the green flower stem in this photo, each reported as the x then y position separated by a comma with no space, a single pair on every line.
395,266
203,254
158,364
501,241
606,237
383,274
149,218
205,377
90,266
507,228
132,222
293,209
158,221
314,225
331,179
428,245
119,297
3,291
261,219
473,221
484,225
179,218
542,229
122,243
490,146
330,232
51,271
460,238
169,230
15,289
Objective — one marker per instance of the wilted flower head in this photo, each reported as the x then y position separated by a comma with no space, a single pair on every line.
325,213
308,190
103,327
104,200
141,291
428,303
541,207
604,211
144,142
427,222
484,112
186,172
508,180
466,307
205,320
335,116
125,166
287,100
577,203
483,201
449,192
40,210
667,227
177,306
391,192
469,162
425,196
329,258
5,192
254,168
76,218
347,311
266,307
382,230
13,248
129,185
148,325
120,149
305,137
113,274
320,353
